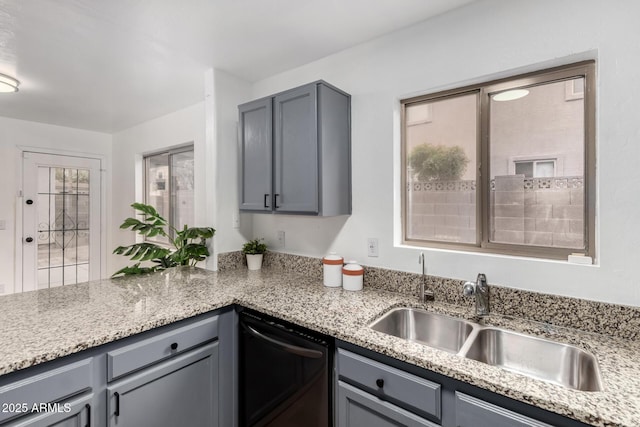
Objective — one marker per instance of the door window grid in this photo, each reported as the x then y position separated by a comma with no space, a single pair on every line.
63,226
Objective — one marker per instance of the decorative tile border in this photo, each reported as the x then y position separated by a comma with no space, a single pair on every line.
590,316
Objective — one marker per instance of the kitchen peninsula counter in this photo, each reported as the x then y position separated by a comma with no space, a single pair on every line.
44,325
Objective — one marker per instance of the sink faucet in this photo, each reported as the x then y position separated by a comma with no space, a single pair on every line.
479,288
424,295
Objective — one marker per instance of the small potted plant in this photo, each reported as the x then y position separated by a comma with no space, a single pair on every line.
254,250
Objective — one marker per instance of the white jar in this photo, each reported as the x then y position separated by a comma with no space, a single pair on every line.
352,276
332,270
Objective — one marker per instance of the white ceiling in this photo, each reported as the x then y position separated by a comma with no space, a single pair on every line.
106,65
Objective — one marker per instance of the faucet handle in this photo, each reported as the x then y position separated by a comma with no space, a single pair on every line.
468,289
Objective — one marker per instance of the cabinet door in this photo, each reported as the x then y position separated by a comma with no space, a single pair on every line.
472,412
74,413
357,408
255,155
182,391
296,151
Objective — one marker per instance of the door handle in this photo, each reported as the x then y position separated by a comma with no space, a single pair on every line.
266,196
29,239
275,201
289,348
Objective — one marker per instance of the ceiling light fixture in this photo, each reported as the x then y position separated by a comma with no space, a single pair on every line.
8,84
510,95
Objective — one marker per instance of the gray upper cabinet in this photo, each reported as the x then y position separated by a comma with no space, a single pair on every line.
256,152
296,152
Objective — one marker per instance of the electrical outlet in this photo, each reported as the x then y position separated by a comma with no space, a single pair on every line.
2,288
236,220
3,224
372,247
280,238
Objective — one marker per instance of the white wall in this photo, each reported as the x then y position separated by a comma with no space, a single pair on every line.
482,41
229,91
180,127
19,133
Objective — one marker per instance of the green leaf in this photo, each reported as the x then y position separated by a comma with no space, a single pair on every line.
134,269
189,244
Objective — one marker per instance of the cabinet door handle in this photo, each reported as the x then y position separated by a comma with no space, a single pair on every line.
88,415
174,346
117,411
275,201
380,382
266,196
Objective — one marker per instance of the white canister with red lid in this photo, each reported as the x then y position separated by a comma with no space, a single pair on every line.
332,270
352,276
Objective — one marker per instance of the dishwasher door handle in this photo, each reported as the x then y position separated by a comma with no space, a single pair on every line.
289,348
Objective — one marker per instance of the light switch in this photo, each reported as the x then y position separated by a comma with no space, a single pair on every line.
3,224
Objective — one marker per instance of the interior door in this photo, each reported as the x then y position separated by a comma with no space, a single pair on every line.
61,220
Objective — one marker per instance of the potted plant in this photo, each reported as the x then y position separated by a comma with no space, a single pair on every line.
254,250
186,248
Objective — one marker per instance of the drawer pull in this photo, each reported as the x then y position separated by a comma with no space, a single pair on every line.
380,382
117,411
174,346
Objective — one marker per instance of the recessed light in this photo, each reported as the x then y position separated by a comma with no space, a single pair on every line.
510,95
8,84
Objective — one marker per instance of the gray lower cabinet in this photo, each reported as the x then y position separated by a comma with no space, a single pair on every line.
76,412
295,152
473,412
167,377
180,391
357,408
375,390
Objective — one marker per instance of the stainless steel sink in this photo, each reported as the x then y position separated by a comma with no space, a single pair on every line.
435,330
547,360
538,358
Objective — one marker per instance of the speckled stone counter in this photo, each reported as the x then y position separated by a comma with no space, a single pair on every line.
44,325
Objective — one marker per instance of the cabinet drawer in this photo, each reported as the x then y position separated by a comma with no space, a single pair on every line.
51,386
151,350
402,388
357,408
181,391
473,412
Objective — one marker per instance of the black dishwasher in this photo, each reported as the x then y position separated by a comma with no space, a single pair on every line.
284,374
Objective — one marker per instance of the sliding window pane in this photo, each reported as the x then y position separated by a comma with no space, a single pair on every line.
440,145
157,187
182,189
537,158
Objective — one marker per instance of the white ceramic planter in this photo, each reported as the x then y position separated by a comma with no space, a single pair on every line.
254,262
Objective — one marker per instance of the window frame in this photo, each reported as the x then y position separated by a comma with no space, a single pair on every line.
584,69
169,152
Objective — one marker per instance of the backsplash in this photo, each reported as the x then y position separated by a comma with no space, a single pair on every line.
591,316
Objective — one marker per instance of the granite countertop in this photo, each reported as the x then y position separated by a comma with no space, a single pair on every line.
52,323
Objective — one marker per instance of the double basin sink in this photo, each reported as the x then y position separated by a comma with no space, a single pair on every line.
535,357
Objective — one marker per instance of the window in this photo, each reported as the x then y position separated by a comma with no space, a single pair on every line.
535,168
507,166
169,186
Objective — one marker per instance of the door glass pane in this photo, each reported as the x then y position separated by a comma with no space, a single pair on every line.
157,187
63,214
543,206
182,189
440,142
